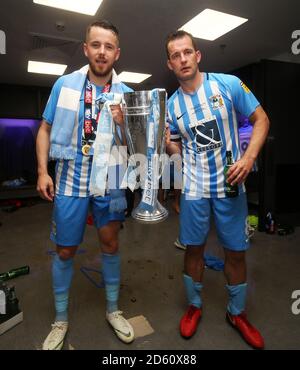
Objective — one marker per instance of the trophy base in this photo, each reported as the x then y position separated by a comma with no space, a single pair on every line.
159,214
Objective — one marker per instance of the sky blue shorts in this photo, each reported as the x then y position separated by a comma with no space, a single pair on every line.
70,216
230,215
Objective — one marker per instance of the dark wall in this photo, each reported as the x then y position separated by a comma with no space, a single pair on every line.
282,100
17,151
276,85
22,101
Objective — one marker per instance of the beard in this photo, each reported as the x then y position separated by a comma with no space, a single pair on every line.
104,72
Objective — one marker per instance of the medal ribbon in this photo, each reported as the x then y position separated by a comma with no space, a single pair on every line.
89,123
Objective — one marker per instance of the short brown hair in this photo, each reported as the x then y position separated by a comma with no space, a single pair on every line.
179,34
102,24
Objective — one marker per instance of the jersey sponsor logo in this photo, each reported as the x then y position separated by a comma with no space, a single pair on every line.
207,135
216,101
245,87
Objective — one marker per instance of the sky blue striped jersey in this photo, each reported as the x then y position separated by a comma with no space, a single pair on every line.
206,123
72,177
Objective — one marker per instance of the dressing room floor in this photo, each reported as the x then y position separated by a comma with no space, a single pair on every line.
152,287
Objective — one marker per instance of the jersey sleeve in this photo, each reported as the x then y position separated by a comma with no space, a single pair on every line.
244,100
50,108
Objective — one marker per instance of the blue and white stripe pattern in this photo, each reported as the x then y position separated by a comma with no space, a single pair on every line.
73,176
206,123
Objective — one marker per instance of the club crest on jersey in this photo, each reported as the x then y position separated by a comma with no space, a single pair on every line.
216,101
245,87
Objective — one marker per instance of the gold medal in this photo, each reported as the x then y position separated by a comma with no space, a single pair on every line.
85,149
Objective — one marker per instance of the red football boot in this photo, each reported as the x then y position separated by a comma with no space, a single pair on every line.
251,335
190,321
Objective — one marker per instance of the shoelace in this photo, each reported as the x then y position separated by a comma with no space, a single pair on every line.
116,314
60,327
56,334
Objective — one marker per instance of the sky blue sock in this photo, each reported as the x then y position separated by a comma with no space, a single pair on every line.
112,295
61,306
193,290
237,298
111,265
62,272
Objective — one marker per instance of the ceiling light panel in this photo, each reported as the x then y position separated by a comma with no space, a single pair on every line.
133,77
211,24
46,68
88,7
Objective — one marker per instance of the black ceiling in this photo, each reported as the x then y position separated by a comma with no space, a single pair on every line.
32,32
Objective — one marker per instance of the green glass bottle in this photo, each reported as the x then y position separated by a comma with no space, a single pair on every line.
11,274
231,191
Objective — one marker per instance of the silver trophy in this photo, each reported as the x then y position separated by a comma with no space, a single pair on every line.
145,117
